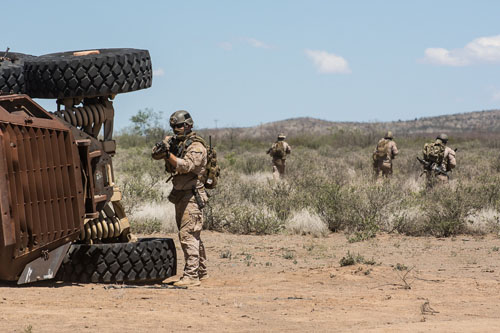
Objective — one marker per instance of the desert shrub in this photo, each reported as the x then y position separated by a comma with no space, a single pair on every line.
250,163
447,209
329,205
139,177
243,206
245,219
359,209
365,208
352,259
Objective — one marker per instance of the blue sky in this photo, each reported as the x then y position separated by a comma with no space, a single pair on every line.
241,63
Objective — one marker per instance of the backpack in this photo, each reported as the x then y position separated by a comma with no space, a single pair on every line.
279,149
212,170
382,147
434,152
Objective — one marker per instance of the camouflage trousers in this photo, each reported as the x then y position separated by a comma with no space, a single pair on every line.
432,180
382,168
279,168
189,220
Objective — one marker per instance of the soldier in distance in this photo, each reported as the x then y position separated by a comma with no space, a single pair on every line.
385,151
440,160
279,152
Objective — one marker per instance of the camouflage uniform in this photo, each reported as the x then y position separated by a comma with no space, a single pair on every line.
383,165
449,163
189,217
279,163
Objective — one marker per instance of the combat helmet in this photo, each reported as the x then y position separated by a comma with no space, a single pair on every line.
281,136
388,135
180,117
443,137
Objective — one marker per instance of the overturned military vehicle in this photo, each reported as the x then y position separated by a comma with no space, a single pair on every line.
60,208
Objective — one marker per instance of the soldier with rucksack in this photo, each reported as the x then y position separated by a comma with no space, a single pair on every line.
193,167
279,152
385,151
438,160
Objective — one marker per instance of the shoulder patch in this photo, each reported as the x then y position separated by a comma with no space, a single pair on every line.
196,147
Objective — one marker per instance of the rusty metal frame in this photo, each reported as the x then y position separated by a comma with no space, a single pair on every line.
41,198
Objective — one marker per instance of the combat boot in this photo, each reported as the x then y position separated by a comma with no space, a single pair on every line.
187,282
204,277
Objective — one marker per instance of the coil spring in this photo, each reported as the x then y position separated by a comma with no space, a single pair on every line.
101,228
89,118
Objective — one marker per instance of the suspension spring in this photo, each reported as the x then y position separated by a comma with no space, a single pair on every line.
88,118
101,228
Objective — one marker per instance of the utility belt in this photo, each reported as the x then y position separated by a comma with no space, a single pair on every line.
177,196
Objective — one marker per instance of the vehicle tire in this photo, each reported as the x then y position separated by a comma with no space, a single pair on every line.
150,260
66,75
12,78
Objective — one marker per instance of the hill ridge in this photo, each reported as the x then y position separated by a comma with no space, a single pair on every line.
485,121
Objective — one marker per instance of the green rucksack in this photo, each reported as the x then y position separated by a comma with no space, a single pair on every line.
212,169
434,152
279,150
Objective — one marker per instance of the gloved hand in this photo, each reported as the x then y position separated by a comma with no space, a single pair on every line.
160,150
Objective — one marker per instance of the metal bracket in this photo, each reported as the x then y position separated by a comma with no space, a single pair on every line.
45,267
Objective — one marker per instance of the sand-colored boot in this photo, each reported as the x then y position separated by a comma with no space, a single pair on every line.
187,282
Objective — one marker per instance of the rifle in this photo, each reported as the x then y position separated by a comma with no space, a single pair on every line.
160,147
432,166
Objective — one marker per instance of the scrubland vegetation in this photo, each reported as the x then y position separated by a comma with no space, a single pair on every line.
329,185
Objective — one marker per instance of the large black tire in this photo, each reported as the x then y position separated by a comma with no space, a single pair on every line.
65,75
149,260
12,78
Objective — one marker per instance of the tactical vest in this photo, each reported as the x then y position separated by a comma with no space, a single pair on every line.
212,170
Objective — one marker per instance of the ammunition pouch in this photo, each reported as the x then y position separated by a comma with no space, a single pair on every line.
176,196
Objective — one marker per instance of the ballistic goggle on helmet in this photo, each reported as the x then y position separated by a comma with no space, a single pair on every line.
180,117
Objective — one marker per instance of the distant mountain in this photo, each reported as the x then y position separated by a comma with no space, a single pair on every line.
471,122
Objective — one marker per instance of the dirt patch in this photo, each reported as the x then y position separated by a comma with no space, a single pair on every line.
292,283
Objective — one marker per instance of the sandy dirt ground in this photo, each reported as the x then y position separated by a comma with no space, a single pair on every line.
287,283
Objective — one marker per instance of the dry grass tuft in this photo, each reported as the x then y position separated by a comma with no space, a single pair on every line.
307,222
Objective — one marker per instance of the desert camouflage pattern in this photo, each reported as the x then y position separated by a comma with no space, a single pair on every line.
449,160
449,163
188,216
383,165
190,167
189,219
288,150
280,163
